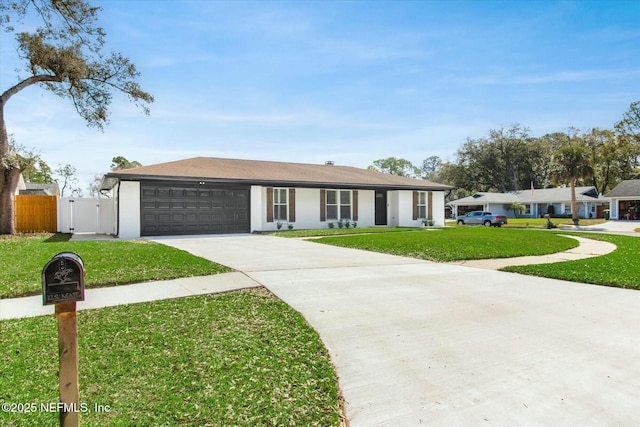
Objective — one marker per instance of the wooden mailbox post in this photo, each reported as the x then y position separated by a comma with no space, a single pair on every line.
63,285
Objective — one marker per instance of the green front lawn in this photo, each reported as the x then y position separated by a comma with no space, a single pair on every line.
458,243
620,268
242,358
318,232
108,263
541,222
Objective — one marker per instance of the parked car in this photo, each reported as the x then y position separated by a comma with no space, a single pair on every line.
483,218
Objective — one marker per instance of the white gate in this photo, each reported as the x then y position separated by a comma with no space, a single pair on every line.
86,215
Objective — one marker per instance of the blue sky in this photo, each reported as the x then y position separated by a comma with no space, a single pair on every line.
352,82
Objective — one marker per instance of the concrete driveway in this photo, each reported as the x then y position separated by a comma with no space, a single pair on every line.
416,342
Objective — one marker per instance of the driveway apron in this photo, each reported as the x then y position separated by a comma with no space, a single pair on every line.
416,342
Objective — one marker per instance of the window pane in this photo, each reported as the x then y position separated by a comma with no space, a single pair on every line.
280,195
422,198
345,212
331,197
332,212
345,197
422,211
280,212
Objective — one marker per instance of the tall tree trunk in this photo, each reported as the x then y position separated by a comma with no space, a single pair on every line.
9,178
574,203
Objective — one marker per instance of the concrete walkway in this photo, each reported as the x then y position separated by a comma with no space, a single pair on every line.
587,248
129,294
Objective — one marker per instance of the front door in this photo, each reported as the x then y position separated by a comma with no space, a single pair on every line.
381,207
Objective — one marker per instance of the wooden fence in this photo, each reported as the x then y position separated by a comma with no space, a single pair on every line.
36,213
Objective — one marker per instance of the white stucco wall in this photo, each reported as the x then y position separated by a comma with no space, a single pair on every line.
438,208
307,210
366,208
405,209
401,209
257,195
392,209
129,210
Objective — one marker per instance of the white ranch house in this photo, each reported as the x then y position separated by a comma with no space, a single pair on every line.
537,202
218,196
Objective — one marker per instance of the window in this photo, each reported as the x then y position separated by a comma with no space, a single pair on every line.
339,204
422,205
527,210
280,204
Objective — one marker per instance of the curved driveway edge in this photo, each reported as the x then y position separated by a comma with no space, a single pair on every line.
587,248
416,342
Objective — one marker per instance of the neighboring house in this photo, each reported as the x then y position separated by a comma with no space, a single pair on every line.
625,200
21,185
214,196
34,189
537,202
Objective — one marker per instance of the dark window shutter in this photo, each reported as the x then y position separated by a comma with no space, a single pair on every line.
323,205
415,205
429,203
355,205
270,204
292,205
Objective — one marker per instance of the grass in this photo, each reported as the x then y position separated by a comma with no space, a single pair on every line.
542,223
458,243
336,231
619,268
243,358
108,263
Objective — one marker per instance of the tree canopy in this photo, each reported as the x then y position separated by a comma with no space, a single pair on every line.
65,56
511,160
120,162
395,166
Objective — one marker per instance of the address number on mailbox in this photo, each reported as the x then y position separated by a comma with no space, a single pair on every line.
63,279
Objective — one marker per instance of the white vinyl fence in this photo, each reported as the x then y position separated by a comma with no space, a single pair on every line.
86,215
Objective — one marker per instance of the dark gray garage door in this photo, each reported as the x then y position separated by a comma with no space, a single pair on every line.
180,208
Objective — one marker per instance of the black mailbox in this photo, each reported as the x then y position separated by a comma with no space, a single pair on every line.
63,279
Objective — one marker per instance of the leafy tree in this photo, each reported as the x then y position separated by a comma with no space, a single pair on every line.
63,55
517,208
119,163
628,129
431,167
67,174
499,162
613,158
630,123
40,172
94,187
394,166
456,176
541,152
27,160
572,163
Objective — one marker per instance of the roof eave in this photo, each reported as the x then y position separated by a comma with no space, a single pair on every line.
112,178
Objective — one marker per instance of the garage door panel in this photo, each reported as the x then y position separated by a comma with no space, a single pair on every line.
173,209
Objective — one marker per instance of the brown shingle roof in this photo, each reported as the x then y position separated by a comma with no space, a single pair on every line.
266,172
